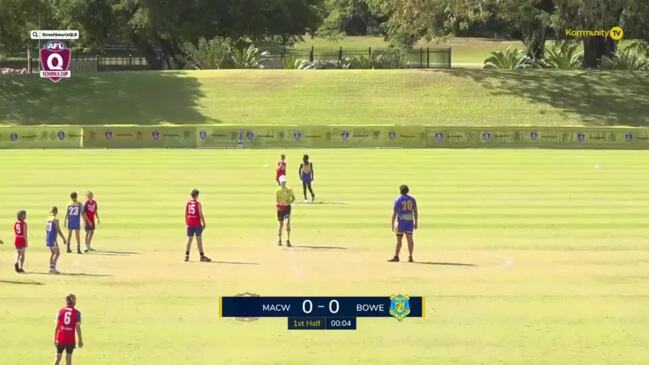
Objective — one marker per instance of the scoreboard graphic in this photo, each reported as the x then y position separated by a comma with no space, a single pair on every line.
322,313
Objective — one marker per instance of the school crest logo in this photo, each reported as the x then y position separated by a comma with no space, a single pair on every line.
581,137
55,61
61,135
534,135
13,137
439,136
344,135
486,136
628,137
108,134
392,134
202,134
250,135
399,306
155,135
297,135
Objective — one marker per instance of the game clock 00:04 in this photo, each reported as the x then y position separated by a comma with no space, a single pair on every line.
322,313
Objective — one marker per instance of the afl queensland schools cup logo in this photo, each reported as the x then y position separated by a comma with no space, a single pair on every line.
55,61
203,135
344,135
108,134
297,135
628,137
250,135
13,137
392,134
399,306
581,136
155,135
439,136
61,135
486,136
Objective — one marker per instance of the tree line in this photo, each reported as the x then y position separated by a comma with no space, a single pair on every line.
169,25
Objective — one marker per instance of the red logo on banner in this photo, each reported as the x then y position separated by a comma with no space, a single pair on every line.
55,61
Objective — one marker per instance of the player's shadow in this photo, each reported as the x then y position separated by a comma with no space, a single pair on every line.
320,247
83,274
113,253
31,282
443,263
233,262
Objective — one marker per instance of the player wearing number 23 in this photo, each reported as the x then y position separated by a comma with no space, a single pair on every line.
68,326
406,215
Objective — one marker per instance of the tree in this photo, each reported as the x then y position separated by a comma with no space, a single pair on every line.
17,18
348,17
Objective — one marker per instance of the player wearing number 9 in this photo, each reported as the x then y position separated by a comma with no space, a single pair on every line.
68,323
407,217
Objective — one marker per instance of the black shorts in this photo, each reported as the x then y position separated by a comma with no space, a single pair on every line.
194,231
90,227
68,348
284,214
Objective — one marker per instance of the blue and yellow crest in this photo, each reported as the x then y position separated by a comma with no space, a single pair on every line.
399,306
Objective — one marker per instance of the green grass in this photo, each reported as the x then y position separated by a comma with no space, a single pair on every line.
450,97
558,239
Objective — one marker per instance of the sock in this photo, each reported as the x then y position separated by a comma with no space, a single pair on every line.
202,254
186,253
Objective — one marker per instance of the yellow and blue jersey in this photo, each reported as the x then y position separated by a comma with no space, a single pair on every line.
50,232
404,207
306,172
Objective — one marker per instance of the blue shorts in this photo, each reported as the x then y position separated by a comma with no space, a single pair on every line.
306,178
405,227
194,231
51,244
74,225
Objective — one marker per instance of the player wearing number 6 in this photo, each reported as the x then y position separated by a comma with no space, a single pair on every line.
195,225
68,323
407,217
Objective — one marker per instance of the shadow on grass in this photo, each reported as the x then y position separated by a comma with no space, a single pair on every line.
320,247
443,263
322,203
102,98
112,253
600,98
233,262
70,274
20,282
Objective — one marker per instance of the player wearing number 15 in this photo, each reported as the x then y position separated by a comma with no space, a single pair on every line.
195,225
68,323
407,217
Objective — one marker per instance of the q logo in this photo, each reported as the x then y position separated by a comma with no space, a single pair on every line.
439,136
581,136
628,137
61,135
250,135
203,135
55,61
616,33
155,135
486,136
392,134
108,135
297,135
13,137
344,135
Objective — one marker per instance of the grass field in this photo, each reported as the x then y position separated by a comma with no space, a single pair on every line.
450,98
556,240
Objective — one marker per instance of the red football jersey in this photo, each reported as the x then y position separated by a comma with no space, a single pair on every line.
90,208
192,216
281,170
66,326
20,230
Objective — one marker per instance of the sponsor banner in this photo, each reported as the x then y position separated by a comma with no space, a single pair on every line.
40,137
139,137
404,136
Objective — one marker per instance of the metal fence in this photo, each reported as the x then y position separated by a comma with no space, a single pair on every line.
130,59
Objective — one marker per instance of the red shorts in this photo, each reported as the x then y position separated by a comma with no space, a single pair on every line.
20,243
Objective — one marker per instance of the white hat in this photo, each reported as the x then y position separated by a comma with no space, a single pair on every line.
282,179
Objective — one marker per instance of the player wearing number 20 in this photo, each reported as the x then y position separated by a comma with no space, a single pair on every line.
68,323
195,225
406,214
